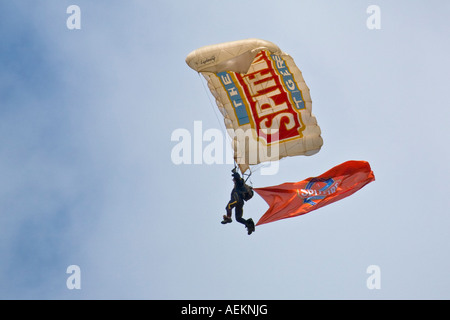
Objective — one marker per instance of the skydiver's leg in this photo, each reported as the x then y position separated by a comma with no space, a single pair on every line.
227,218
231,204
239,212
249,224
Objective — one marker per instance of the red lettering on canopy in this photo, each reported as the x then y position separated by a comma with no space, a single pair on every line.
269,101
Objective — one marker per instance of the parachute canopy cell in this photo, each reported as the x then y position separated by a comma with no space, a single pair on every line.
263,98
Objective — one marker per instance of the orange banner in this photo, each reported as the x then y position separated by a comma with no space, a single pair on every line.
293,199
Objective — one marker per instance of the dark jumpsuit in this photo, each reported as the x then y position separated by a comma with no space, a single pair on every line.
236,200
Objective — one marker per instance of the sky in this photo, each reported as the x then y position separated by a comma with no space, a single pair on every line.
88,178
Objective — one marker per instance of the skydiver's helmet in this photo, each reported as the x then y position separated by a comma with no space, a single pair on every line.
235,175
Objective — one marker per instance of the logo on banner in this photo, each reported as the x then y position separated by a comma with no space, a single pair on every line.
318,189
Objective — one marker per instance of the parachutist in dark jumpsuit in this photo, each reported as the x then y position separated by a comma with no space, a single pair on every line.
237,202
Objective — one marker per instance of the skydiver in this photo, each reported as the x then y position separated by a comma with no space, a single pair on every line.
237,202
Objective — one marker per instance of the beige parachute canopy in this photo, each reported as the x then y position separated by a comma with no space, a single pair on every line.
263,98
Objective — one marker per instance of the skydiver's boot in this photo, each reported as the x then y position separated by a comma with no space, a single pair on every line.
226,220
250,226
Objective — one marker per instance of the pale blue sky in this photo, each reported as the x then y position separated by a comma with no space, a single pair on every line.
86,118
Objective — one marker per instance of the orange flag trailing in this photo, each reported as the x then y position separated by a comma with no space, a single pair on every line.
293,199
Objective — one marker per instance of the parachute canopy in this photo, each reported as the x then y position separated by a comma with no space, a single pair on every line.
263,98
